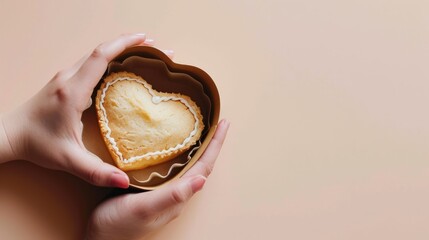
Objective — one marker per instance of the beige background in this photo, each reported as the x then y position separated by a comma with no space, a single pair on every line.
328,102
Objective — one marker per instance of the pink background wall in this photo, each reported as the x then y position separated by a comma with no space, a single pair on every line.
328,102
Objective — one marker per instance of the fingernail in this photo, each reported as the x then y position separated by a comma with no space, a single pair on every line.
197,183
227,123
149,41
119,180
224,122
140,34
168,52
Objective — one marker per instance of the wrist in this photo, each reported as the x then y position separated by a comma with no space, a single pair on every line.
6,151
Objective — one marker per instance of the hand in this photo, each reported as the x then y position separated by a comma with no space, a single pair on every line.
47,130
132,216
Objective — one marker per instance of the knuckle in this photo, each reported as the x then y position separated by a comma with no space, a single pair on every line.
59,79
59,75
61,93
206,168
59,87
177,196
94,177
98,52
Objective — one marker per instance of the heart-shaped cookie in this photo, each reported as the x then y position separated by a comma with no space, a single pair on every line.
165,76
142,127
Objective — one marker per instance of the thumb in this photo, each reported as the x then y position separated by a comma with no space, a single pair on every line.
171,195
92,169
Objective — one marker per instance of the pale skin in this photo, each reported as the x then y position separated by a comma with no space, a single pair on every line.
47,131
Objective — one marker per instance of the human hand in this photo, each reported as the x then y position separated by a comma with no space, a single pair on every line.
47,130
132,216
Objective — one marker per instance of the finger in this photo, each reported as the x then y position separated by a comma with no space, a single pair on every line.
67,73
205,164
148,42
93,68
88,105
169,53
171,195
92,169
151,43
73,69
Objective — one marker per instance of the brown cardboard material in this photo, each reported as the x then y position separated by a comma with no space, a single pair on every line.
165,76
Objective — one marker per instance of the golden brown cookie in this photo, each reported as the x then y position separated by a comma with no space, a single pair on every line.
142,127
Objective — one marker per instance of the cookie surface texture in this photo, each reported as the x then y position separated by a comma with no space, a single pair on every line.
142,127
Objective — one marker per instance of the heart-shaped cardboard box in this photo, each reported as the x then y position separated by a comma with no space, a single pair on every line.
165,76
